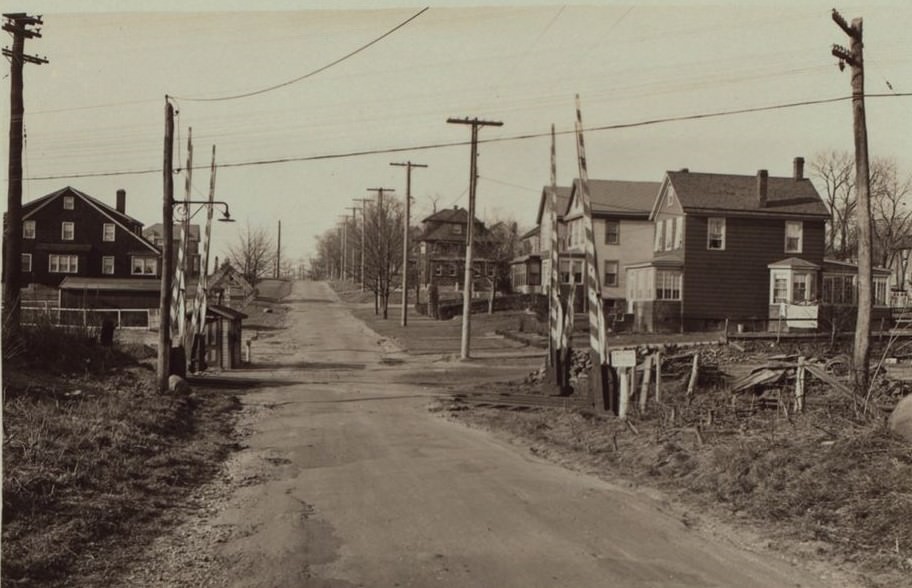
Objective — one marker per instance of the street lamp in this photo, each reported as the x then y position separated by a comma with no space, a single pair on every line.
181,207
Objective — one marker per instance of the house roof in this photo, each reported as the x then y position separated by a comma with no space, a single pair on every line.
457,214
563,199
794,263
531,232
225,311
441,227
228,272
786,196
833,265
126,222
618,197
156,230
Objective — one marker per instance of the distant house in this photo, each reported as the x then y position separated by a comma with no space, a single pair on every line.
442,248
741,248
155,232
68,233
530,270
622,231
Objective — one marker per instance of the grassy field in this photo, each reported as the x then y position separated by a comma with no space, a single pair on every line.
94,458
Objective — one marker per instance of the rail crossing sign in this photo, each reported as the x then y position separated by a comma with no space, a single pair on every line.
623,358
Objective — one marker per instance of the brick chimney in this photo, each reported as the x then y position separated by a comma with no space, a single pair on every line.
762,180
798,166
122,201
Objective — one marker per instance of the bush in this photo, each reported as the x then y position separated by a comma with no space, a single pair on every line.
537,303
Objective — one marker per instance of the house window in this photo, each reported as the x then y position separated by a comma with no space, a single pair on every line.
612,232
669,233
668,285
68,203
107,232
802,287
490,270
457,229
144,266
659,235
793,236
715,234
452,269
63,264
679,232
578,272
534,275
880,291
26,262
564,266
28,229
780,288
611,274
107,264
438,270
67,231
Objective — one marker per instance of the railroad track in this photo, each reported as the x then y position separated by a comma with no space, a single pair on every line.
522,400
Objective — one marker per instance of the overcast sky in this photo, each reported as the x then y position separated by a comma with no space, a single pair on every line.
98,106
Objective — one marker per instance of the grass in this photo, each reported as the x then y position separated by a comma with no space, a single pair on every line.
835,484
94,458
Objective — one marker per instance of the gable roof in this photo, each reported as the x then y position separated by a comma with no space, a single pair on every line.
457,214
563,199
157,229
618,197
126,222
786,196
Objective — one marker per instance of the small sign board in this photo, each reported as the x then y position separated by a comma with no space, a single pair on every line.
622,358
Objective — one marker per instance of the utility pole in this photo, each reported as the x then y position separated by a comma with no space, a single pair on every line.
351,250
383,262
164,308
470,228
854,57
278,268
343,238
17,24
405,235
363,219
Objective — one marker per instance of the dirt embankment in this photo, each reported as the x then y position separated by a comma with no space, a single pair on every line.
823,484
95,460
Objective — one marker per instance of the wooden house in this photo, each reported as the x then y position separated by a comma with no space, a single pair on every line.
530,270
228,287
442,248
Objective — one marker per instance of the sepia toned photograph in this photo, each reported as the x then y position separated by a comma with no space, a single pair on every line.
477,293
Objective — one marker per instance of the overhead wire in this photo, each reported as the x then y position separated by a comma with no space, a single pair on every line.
311,73
520,137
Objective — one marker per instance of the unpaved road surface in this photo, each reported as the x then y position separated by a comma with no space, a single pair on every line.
347,480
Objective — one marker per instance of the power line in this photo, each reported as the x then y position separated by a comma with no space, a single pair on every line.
314,72
522,137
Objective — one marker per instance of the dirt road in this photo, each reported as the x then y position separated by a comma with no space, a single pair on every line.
347,480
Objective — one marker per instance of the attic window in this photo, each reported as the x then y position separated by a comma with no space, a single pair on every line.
68,202
457,229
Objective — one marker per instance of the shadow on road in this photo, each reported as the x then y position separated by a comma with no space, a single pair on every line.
307,365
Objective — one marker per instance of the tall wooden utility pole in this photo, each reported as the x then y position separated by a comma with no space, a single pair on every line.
408,165
363,219
17,24
278,268
853,56
344,239
383,262
351,250
164,308
470,228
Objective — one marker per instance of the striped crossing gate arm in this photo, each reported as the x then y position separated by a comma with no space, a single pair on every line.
554,302
593,286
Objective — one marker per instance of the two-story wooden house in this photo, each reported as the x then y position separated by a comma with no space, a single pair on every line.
442,247
748,249
622,231
155,232
69,233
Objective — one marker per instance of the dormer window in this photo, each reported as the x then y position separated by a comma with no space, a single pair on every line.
68,203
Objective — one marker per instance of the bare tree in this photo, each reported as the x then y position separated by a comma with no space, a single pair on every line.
501,244
836,170
253,253
382,249
891,210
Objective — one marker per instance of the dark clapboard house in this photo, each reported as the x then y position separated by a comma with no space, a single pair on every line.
79,252
747,250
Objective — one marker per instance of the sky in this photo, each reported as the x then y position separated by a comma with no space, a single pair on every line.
97,109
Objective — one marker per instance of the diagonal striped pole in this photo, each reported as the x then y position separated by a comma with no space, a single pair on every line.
593,286
179,305
554,341
198,326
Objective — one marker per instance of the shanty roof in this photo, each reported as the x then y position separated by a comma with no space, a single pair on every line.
618,197
225,311
156,229
118,284
698,191
126,222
